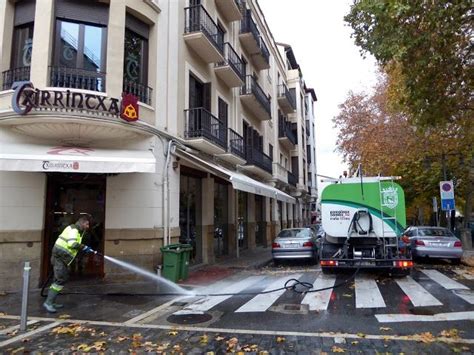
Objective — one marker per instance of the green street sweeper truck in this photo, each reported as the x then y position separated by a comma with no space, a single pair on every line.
364,219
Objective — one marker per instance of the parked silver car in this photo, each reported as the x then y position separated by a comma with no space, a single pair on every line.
434,242
295,243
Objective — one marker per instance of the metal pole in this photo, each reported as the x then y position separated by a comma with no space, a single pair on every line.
445,177
24,299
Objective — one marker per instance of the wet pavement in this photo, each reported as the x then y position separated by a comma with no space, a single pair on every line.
137,316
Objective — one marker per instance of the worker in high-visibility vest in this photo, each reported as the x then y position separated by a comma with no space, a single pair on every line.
65,250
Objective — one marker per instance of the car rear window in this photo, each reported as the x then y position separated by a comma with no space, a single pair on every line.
295,233
435,232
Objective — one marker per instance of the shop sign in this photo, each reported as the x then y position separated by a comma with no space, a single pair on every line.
26,97
60,165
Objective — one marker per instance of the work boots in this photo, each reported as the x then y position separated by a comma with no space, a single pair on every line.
49,303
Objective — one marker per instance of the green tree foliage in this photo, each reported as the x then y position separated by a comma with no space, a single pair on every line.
429,43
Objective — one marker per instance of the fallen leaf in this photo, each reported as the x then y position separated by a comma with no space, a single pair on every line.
3,293
263,352
456,350
84,347
177,347
102,334
355,342
210,353
64,316
280,339
385,329
173,333
122,338
346,295
361,335
336,349
203,340
99,345
451,333
18,350
13,333
3,314
231,343
426,337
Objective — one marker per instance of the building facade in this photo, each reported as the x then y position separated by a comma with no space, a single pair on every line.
165,121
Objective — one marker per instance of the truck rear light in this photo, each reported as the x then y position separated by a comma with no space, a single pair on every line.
403,263
308,244
458,244
420,242
276,245
329,263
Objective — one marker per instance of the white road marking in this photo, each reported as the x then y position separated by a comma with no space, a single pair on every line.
318,301
29,334
440,317
417,294
467,296
367,293
232,331
443,280
143,316
208,302
464,273
261,303
15,327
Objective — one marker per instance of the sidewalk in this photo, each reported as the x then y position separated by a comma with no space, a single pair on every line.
201,275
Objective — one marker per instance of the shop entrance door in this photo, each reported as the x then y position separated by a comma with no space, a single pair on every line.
261,226
221,225
68,197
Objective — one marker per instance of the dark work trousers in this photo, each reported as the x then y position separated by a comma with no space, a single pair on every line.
60,260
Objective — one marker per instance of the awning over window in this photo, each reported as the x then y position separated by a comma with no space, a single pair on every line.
238,180
33,157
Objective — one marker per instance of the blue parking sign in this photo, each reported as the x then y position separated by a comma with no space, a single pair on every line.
447,204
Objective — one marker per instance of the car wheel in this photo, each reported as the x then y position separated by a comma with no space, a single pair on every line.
276,262
456,261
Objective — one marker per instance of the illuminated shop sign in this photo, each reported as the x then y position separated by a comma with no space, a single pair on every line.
26,97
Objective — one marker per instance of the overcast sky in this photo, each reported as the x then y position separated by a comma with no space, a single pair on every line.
329,59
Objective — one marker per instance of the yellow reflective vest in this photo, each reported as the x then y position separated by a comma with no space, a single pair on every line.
70,241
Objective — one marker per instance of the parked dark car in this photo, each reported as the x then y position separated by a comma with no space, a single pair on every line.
295,243
434,242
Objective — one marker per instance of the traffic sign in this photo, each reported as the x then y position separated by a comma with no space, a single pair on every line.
446,190
447,204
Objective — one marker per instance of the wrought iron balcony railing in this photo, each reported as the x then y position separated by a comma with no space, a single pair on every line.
292,179
197,19
258,158
200,123
12,75
284,92
64,77
251,87
247,25
233,60
264,50
236,143
284,130
143,92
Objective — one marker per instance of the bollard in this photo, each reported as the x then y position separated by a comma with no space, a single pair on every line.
24,299
158,270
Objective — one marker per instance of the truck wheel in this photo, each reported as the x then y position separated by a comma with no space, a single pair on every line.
397,273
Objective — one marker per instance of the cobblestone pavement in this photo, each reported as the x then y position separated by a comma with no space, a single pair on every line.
69,337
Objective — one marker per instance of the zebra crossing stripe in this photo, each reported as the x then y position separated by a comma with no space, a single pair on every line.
367,293
207,303
443,280
467,296
261,303
318,301
417,294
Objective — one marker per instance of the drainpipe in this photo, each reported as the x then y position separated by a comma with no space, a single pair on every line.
166,191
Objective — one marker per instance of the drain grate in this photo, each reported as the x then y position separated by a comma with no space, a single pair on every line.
292,307
422,312
189,318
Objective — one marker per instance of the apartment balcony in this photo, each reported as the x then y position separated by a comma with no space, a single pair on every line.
286,136
258,163
143,92
12,75
235,149
204,131
280,174
202,34
230,9
292,179
63,77
231,70
255,100
286,99
253,43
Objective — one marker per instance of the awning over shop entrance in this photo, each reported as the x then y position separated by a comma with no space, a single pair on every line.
33,157
238,180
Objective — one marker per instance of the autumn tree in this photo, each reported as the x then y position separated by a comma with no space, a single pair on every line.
425,47
384,141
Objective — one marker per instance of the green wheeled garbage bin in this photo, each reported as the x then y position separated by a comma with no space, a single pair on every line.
175,261
171,260
184,265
